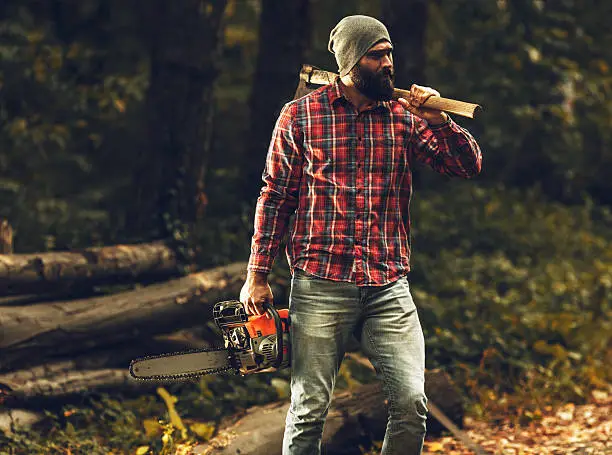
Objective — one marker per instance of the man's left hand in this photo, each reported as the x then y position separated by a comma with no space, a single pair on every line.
418,95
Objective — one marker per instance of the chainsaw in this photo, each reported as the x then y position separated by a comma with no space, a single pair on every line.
252,344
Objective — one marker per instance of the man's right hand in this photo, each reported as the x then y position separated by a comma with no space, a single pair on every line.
255,292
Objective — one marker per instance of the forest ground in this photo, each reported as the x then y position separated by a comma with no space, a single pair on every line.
571,429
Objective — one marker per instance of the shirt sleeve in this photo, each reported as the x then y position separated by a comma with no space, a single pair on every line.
447,148
279,195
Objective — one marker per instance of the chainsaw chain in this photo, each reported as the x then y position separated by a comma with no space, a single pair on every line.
174,377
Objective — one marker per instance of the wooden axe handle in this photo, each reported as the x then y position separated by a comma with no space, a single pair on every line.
313,75
462,108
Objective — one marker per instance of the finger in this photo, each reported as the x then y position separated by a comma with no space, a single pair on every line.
426,96
421,95
409,107
432,91
249,308
429,93
254,309
407,104
413,95
416,91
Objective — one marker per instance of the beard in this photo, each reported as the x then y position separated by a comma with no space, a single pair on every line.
376,85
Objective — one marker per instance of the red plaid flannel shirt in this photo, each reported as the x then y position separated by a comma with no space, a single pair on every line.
346,178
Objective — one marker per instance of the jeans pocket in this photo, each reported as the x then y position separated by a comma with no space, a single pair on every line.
405,299
300,274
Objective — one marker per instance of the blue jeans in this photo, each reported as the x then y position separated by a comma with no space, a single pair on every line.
324,314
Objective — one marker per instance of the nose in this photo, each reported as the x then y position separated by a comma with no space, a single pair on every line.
387,61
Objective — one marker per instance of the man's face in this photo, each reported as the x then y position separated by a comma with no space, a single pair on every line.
373,75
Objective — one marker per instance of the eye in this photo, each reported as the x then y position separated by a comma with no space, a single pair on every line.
377,55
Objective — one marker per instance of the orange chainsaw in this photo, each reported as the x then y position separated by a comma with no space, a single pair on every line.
252,344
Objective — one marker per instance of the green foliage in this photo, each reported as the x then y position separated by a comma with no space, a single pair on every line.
61,101
120,425
540,70
515,289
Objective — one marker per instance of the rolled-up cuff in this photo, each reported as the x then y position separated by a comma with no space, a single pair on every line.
260,263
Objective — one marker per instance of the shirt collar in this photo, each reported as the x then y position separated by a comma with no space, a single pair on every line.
335,93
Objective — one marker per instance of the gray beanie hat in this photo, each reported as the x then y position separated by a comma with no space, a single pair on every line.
352,37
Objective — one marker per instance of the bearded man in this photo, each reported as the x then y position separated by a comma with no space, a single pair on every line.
340,159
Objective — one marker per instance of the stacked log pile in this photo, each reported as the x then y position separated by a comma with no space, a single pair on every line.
53,344
49,339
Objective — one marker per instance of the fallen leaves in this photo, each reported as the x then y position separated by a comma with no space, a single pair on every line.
571,429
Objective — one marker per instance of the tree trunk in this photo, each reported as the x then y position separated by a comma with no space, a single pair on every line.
356,418
284,34
184,37
44,272
36,333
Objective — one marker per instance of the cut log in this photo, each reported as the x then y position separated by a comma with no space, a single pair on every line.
44,272
356,419
98,371
12,419
35,334
438,384
74,382
34,382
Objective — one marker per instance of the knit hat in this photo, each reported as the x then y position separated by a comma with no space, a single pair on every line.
352,37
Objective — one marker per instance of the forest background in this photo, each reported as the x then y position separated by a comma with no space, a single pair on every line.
132,121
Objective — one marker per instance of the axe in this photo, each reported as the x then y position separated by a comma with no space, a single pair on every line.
312,78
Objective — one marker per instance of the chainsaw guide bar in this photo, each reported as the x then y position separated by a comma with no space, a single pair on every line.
181,365
252,344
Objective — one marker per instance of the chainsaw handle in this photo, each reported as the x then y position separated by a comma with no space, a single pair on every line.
279,333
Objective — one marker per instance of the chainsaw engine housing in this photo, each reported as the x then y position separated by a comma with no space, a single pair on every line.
253,341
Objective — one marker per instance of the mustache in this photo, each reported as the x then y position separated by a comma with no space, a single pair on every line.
388,72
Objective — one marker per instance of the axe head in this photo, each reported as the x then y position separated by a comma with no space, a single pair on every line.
305,86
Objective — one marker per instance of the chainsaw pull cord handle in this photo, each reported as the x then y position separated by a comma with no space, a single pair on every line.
279,333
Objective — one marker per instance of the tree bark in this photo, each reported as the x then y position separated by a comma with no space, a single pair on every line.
356,418
12,419
44,272
29,335
184,38
284,34
117,356
76,381
20,404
